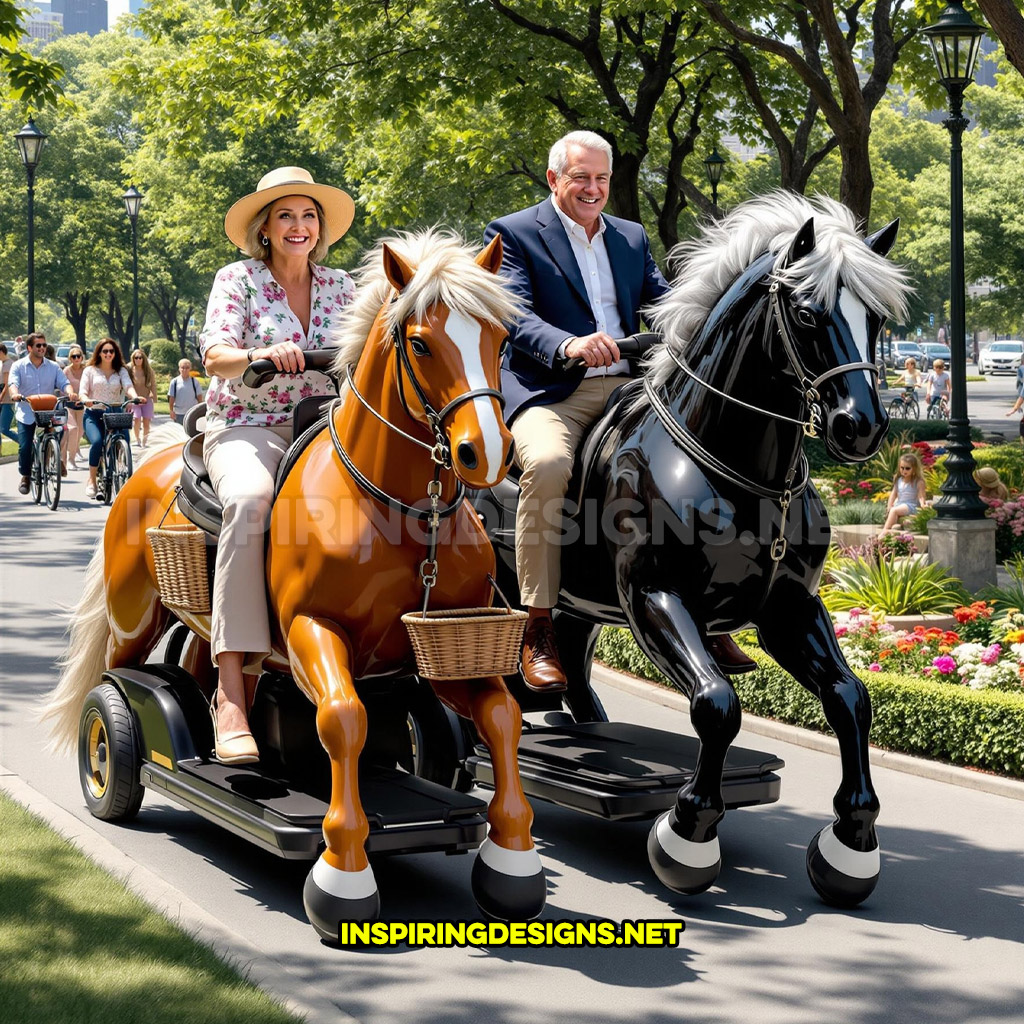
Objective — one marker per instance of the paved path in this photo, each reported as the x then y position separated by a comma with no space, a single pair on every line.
942,939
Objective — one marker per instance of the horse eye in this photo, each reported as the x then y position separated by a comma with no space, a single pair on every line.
419,346
806,317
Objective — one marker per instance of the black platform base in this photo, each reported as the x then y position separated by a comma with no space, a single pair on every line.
406,814
625,772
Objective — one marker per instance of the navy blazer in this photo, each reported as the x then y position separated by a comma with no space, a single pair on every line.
540,267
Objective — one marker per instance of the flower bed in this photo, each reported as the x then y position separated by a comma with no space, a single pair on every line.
983,654
929,716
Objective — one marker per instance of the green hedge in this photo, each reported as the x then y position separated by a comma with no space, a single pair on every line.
976,728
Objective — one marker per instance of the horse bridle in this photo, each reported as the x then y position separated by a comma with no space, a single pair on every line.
815,417
440,452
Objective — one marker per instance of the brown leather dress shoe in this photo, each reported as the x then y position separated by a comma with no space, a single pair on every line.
23,486
729,656
542,671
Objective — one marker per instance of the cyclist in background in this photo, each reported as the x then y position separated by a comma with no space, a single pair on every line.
105,381
939,386
31,376
909,380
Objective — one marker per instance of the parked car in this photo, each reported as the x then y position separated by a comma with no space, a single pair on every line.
1001,356
904,350
63,355
933,350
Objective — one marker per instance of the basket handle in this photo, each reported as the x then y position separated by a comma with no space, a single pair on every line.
170,505
494,583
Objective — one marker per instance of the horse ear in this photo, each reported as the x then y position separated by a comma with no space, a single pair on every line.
882,241
491,256
397,271
802,244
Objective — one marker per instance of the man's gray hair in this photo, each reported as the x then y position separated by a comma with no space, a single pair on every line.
558,155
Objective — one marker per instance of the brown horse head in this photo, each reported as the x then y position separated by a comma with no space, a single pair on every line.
444,310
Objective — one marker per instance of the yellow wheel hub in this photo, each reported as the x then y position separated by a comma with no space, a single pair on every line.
97,752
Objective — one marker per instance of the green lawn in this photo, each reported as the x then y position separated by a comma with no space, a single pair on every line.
76,947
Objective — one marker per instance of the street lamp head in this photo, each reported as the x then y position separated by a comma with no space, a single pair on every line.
30,142
955,41
132,201
713,165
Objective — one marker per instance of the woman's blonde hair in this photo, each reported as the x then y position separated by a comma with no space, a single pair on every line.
148,376
257,250
914,459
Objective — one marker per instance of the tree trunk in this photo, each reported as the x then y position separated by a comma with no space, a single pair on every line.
76,309
119,327
624,193
856,182
1008,24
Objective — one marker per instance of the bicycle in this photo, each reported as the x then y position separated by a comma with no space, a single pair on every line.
115,465
51,417
939,410
905,407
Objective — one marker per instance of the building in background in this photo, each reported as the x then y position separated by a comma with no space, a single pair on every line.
42,23
89,16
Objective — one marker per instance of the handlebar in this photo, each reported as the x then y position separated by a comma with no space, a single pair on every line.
118,408
263,371
634,347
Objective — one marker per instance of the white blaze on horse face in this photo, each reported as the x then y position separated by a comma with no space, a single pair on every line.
855,313
466,332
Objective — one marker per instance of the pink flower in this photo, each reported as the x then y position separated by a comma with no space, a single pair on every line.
864,485
874,667
944,664
234,412
991,655
842,630
845,491
856,613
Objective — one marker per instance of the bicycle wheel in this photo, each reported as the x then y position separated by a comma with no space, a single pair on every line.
121,464
934,412
897,409
102,481
913,410
51,471
37,473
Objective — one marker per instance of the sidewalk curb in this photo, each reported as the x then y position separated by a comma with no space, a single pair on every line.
278,981
981,782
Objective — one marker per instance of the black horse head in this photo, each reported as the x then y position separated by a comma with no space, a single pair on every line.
830,342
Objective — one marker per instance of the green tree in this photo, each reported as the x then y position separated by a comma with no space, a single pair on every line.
30,79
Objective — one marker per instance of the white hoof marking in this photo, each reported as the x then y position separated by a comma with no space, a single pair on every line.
519,863
851,863
345,885
682,851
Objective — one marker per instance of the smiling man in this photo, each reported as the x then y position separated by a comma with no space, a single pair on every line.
584,277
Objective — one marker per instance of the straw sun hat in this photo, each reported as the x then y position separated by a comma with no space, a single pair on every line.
987,477
290,181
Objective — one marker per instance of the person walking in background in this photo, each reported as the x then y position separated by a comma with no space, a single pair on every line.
184,392
75,433
144,381
20,348
1020,376
31,376
6,403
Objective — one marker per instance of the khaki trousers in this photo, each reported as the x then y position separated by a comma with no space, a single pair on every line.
242,462
546,438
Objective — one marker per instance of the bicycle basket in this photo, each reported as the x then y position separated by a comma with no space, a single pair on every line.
117,420
47,419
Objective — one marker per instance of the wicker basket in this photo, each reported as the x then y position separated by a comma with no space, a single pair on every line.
117,420
179,553
466,643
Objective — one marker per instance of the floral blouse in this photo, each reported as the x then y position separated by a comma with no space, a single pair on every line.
249,309
98,387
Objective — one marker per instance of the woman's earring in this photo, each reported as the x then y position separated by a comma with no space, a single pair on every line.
264,241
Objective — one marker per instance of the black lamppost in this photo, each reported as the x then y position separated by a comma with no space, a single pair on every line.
132,201
30,145
955,41
713,165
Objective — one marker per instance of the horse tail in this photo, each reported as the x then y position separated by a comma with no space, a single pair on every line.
84,661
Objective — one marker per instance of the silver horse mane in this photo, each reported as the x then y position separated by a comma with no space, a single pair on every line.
446,272
725,248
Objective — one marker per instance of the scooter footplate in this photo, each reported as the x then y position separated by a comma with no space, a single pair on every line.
406,814
625,772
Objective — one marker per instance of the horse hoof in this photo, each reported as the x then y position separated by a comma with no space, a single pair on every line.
508,884
331,896
682,865
841,877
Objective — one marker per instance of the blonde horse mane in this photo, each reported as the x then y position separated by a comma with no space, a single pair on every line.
446,272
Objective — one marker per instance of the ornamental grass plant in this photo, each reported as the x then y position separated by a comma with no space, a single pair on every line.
892,586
